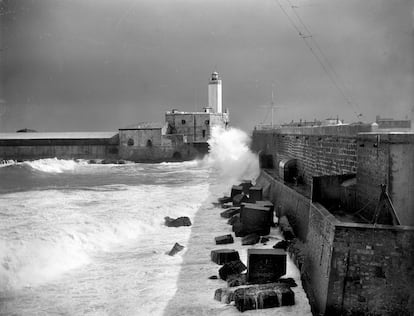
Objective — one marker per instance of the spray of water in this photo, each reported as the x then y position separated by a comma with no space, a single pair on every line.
53,165
230,156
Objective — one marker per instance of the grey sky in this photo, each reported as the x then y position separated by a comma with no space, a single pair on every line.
100,65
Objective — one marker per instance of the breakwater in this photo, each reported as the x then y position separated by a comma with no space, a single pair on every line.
327,181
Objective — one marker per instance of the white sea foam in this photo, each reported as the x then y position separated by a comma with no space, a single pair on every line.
231,157
50,232
5,163
53,165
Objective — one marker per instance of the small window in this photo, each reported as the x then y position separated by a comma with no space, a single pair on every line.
207,122
149,143
204,133
130,142
183,122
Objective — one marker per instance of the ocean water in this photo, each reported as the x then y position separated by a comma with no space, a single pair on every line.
89,239
91,233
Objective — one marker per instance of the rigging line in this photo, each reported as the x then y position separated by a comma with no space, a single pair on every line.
309,35
331,78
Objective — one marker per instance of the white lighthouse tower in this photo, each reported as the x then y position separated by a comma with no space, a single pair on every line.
214,93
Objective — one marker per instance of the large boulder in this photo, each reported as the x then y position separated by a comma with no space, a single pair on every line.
177,222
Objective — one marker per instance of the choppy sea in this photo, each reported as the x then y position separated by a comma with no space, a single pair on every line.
77,238
89,239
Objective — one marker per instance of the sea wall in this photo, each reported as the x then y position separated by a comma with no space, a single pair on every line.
349,268
287,202
386,158
64,148
371,270
146,146
317,265
375,157
322,150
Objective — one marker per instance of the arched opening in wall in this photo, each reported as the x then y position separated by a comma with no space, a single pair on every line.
176,155
130,142
288,170
149,143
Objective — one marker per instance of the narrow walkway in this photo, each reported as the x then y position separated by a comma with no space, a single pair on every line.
195,292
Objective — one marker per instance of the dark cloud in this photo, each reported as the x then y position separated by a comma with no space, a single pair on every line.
100,65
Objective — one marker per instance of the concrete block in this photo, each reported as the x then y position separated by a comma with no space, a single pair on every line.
224,295
236,280
265,265
271,207
225,239
263,296
234,219
231,268
239,199
255,194
222,256
176,248
236,189
283,244
255,218
224,199
227,205
230,212
285,295
258,299
246,184
250,239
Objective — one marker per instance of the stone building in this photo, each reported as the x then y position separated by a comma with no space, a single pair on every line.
196,126
183,136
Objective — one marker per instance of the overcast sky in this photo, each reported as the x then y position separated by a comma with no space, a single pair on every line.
97,65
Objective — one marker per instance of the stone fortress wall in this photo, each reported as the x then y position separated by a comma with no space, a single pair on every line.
351,264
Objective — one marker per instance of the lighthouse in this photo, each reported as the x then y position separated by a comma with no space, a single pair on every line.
214,93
